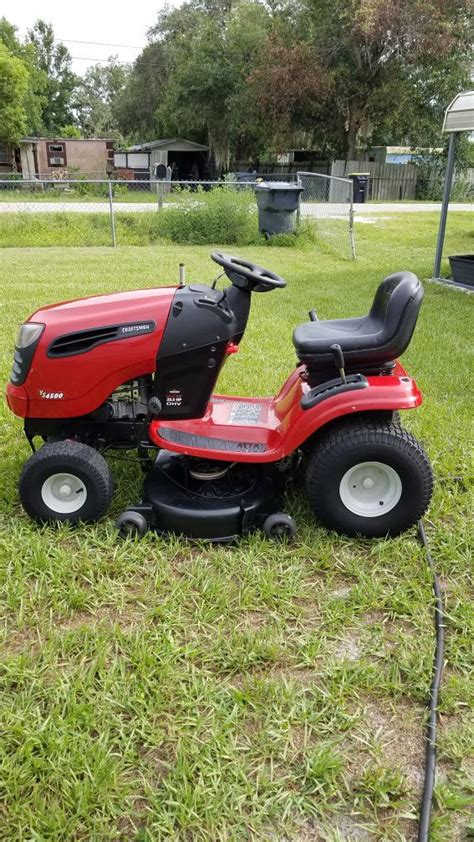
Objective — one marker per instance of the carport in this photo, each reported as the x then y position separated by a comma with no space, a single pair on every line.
188,160
459,117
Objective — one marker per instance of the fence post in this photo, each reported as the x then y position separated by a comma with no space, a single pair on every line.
351,221
298,209
112,217
159,193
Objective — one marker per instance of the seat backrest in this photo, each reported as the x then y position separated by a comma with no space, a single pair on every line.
396,306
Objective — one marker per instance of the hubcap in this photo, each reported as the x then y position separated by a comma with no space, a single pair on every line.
63,493
370,489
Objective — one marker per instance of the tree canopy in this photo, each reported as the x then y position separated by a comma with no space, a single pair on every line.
252,78
13,88
54,60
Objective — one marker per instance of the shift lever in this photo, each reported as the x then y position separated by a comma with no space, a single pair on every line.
336,351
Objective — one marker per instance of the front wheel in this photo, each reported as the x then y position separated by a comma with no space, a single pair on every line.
66,482
369,478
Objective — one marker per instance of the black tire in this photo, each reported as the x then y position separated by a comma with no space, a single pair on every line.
131,525
346,446
279,527
76,460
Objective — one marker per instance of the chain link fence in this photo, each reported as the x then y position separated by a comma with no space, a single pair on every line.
327,202
78,211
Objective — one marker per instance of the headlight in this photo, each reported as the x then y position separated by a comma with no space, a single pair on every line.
28,334
26,342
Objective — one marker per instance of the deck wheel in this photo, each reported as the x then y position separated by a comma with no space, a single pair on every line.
279,527
131,525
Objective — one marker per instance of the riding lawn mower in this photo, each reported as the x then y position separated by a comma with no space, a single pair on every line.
138,370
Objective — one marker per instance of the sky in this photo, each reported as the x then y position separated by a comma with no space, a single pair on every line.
76,22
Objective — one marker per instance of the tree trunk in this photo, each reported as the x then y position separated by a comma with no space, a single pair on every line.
351,139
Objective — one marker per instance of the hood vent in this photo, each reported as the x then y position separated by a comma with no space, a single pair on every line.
82,341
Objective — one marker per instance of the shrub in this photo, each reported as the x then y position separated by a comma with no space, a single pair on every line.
219,216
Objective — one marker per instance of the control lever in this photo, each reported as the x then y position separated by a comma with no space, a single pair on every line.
312,315
336,351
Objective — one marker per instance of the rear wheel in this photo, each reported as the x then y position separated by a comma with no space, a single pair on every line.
369,478
66,482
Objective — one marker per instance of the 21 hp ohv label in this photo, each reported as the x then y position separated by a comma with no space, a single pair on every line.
174,397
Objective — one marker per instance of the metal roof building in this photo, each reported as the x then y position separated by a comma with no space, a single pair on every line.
186,158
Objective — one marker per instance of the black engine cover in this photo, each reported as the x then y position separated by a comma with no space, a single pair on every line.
212,509
201,323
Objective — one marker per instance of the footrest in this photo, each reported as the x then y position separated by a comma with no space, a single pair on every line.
331,388
209,442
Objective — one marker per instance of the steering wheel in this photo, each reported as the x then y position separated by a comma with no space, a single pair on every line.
247,275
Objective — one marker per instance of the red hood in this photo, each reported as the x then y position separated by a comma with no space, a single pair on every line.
76,384
98,310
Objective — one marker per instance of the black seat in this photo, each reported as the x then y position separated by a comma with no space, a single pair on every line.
371,342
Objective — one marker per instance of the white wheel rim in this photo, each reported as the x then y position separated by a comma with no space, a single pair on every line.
370,489
63,493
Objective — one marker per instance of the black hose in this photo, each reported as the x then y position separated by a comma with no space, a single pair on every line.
430,756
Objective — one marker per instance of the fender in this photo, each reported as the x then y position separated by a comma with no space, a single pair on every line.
269,429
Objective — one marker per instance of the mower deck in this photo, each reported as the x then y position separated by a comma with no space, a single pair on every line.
216,506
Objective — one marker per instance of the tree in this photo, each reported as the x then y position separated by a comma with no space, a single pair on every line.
208,59
135,107
55,61
289,87
97,96
13,90
70,131
35,98
380,53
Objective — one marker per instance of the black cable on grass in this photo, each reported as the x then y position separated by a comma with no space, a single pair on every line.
430,757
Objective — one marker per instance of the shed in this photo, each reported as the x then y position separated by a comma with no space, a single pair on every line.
187,159
400,154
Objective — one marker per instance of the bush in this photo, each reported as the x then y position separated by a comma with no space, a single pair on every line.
219,216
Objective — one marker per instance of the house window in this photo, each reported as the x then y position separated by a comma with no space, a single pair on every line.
5,154
110,150
56,154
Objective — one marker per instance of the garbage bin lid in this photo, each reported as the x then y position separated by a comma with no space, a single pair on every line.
358,173
278,185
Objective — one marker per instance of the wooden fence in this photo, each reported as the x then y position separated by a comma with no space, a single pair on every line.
388,182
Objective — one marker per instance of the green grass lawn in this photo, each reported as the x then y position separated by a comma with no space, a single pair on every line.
86,193
158,690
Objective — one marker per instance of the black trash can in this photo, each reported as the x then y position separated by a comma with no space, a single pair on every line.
278,203
361,186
